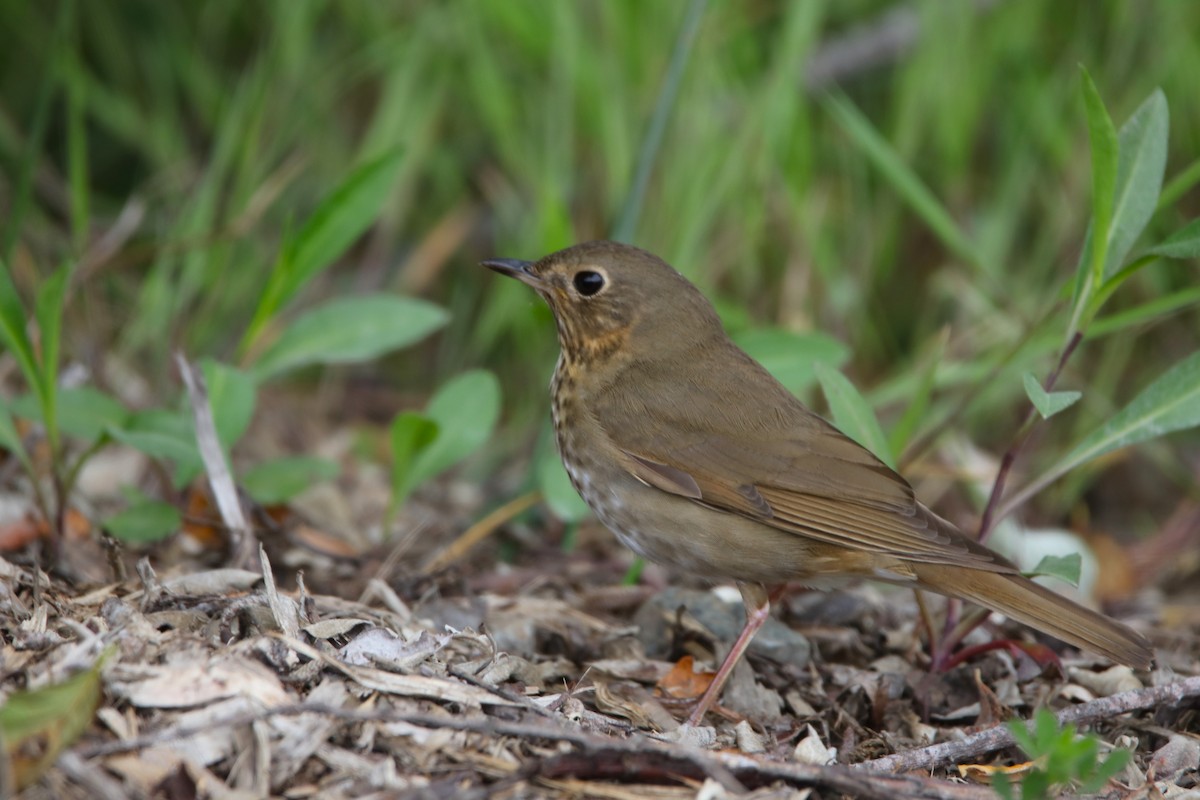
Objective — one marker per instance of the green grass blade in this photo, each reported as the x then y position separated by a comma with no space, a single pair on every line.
10,440
1184,243
632,211
23,191
48,310
1180,185
1146,312
12,330
904,180
77,149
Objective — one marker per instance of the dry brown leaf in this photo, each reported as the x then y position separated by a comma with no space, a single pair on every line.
683,682
982,773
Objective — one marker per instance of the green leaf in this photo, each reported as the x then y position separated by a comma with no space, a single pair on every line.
1105,771
1048,403
281,479
853,414
145,521
349,329
1184,243
86,412
1143,159
1156,308
790,356
332,228
1105,158
465,409
48,311
12,330
37,725
1065,568
163,434
1170,403
10,440
411,433
232,394
159,433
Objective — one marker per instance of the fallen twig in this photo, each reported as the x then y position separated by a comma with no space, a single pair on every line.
604,755
999,736
479,531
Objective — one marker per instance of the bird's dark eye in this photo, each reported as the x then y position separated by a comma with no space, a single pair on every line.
587,283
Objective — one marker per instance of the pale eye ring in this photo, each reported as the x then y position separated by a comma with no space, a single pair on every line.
588,282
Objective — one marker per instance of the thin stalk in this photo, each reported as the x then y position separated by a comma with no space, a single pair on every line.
624,229
1006,463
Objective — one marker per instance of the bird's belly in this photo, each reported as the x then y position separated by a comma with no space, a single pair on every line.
668,529
692,538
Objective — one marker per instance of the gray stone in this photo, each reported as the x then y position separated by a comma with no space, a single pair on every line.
724,621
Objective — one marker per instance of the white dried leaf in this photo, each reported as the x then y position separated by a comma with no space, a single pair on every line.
749,740
811,750
199,683
1113,680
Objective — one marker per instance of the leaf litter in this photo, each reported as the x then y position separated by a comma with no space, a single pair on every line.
362,676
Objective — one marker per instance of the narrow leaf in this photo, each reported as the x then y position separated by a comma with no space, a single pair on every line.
904,181
1184,243
853,414
48,311
350,329
12,330
1143,159
337,222
1170,403
1048,403
1065,568
1105,157
10,440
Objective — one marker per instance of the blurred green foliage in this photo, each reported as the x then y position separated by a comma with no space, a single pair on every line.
919,211
1061,756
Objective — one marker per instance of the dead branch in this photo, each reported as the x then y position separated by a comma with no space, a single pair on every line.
999,737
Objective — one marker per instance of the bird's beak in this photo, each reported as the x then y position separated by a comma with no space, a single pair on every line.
521,270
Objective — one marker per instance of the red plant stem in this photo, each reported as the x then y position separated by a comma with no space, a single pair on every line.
1010,456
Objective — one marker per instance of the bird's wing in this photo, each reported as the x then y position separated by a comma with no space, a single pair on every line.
757,452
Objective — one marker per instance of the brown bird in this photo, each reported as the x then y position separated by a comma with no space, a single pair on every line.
696,457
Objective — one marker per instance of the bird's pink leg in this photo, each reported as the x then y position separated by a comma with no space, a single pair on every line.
758,608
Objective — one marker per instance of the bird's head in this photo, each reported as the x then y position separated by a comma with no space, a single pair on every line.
611,298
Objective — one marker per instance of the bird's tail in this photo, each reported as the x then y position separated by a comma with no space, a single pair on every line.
1018,597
